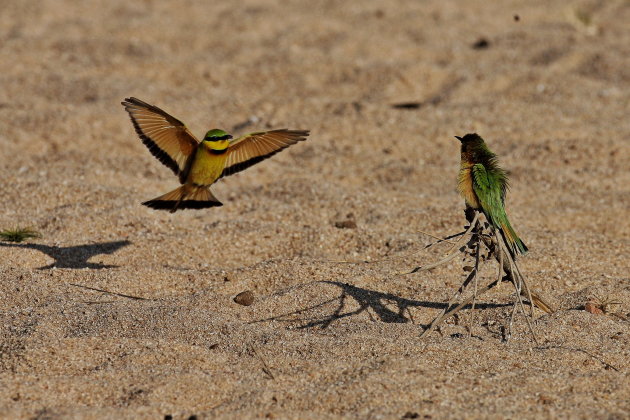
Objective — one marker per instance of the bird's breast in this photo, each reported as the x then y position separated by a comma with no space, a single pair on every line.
465,187
207,166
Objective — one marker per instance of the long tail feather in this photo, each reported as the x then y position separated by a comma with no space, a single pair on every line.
184,197
517,246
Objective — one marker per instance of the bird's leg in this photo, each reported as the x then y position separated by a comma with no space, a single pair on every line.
470,213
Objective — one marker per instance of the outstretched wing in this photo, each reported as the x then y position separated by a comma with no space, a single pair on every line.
167,138
250,149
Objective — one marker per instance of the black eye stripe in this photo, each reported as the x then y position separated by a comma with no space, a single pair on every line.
226,137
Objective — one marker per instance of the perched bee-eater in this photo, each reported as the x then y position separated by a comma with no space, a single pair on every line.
483,184
199,164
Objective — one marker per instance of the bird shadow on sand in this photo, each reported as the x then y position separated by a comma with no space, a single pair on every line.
383,307
74,256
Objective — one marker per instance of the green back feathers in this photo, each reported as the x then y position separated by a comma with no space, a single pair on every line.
490,184
475,151
216,134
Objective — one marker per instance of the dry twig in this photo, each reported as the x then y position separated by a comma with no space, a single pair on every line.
108,292
484,236
600,360
265,368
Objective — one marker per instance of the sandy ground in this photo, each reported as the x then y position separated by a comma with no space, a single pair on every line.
550,92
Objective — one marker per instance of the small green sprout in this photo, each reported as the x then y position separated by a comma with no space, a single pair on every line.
18,234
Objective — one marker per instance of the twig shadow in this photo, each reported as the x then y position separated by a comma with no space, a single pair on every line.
74,256
386,306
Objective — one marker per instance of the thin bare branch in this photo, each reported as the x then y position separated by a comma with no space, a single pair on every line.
436,264
108,292
472,225
266,368
472,309
438,321
606,364
518,283
440,240
497,248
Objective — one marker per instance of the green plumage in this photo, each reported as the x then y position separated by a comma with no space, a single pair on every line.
483,184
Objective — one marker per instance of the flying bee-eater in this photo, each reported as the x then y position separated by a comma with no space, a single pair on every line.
483,184
200,164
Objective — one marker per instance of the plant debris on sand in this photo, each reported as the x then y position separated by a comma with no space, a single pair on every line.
19,234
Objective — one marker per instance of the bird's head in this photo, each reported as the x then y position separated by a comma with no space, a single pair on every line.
216,135
470,140
474,148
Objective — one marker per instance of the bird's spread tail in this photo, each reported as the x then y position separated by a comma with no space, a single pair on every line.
184,197
516,245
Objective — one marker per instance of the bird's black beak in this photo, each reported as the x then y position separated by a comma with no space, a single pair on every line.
458,138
